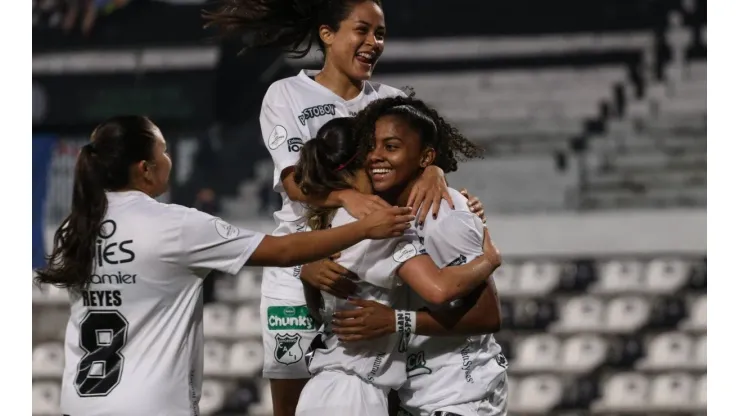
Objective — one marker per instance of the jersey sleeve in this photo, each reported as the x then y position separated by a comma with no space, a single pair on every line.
281,133
382,263
211,243
457,239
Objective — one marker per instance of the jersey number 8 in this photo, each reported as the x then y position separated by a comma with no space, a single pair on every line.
102,336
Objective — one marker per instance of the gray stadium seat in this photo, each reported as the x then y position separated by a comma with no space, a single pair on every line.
580,314
215,356
217,319
537,353
48,360
627,314
537,395
665,276
247,322
506,279
45,399
672,392
247,285
672,350
697,320
619,276
623,392
701,392
212,397
538,279
245,358
700,352
583,353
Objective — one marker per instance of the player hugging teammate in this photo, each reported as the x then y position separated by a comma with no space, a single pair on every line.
351,35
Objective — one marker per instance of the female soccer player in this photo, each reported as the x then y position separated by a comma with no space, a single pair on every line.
356,380
134,268
456,375
351,34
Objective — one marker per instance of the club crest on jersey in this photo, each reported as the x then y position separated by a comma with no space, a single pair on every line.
416,365
295,144
288,348
226,230
502,361
316,111
404,251
278,136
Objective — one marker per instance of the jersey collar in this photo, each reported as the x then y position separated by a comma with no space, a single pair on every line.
306,76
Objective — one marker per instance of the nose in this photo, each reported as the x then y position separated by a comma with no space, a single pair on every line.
371,40
375,155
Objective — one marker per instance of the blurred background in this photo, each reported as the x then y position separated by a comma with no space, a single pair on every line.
593,117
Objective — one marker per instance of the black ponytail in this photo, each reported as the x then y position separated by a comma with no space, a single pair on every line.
102,165
292,25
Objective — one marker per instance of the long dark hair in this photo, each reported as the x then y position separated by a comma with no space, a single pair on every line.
450,145
327,163
292,25
102,165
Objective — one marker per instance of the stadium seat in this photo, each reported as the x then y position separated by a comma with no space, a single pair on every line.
624,352
537,394
45,399
583,353
701,392
243,396
245,358
700,352
50,295
538,279
48,360
537,353
627,314
668,351
623,391
212,397
579,394
215,356
583,313
247,322
697,320
534,314
672,391
698,277
247,285
264,407
505,278
619,277
507,314
666,276
667,312
216,320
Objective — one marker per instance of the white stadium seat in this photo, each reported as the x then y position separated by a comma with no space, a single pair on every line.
665,276
50,295
627,314
668,351
245,358
537,394
700,399
247,285
579,314
537,353
505,278
672,391
247,322
212,397
583,353
537,279
700,352
45,399
620,277
216,320
697,320
624,391
48,360
215,355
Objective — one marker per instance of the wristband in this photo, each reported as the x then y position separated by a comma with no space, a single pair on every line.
406,322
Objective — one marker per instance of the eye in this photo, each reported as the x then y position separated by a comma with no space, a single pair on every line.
362,30
390,147
380,35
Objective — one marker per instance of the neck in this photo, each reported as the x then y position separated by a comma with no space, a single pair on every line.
399,196
336,81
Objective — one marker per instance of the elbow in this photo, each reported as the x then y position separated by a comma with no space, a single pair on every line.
493,323
440,296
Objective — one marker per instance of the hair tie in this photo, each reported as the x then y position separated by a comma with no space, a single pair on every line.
345,164
90,147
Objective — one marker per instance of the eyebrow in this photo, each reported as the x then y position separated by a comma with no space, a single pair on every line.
369,24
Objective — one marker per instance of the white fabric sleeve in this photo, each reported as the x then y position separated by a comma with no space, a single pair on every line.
207,242
385,257
281,133
457,239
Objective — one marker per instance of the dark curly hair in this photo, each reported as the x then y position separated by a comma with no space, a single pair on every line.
292,25
450,145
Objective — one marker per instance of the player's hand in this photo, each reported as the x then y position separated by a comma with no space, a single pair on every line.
329,277
369,321
476,207
387,222
490,251
428,193
361,205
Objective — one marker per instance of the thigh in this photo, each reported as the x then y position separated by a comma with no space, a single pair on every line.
339,394
287,332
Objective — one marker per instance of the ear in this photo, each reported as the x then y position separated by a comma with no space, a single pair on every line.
326,35
144,169
427,157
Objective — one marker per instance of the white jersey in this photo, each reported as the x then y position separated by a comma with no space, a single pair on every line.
134,340
444,371
293,111
379,361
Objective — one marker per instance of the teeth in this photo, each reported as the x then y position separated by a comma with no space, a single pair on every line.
367,55
381,170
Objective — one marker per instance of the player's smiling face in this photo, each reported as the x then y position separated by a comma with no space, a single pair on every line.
397,157
356,47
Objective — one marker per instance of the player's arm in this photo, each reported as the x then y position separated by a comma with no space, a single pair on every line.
479,314
313,302
209,243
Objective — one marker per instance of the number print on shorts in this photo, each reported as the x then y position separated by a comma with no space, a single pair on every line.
102,336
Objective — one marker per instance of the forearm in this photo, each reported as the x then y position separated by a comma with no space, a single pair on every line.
313,302
331,200
305,247
459,281
479,314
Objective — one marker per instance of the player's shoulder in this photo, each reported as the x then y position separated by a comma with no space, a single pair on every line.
385,91
281,89
448,218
